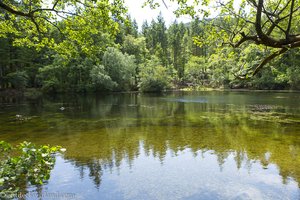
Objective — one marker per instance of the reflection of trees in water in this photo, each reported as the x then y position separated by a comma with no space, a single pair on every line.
95,171
102,133
181,126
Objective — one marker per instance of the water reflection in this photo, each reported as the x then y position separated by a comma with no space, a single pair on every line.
232,145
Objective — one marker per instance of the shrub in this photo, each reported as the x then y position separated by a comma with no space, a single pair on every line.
154,77
32,164
18,79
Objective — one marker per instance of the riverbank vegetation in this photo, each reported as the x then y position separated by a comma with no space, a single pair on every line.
24,164
96,46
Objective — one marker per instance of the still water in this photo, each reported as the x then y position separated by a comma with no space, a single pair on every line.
183,145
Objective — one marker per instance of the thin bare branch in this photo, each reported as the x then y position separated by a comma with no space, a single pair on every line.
165,4
274,24
235,14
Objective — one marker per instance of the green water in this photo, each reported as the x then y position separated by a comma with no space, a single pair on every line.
184,145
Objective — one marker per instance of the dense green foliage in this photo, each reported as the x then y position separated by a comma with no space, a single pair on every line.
272,24
98,48
24,164
154,77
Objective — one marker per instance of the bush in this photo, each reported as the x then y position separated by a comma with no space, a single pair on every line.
33,164
18,79
154,77
100,79
53,77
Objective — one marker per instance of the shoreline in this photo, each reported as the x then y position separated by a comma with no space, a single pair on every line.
36,92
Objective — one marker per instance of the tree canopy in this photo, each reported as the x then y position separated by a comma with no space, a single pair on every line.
31,21
94,45
273,24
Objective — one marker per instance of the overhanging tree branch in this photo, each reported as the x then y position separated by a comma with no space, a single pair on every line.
32,15
290,41
269,23
268,59
261,65
13,11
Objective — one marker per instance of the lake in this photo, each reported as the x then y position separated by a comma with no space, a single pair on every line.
181,145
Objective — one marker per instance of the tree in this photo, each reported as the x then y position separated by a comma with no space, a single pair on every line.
157,39
18,66
196,72
176,45
37,18
120,68
64,33
162,39
146,33
272,24
197,29
137,48
154,77
129,27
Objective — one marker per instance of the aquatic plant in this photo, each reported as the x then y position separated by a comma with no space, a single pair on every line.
23,164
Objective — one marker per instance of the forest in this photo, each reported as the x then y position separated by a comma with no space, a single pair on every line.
202,139
99,47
